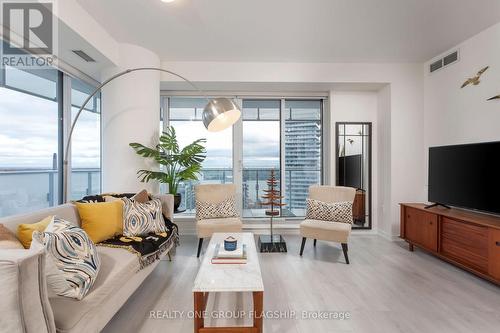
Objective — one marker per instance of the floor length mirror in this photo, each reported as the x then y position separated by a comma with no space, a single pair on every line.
354,167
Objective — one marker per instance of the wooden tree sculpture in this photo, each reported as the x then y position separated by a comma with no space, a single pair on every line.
272,198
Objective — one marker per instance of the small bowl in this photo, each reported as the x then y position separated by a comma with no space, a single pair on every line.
230,243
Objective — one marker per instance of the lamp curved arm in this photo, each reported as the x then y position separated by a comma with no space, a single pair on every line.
97,89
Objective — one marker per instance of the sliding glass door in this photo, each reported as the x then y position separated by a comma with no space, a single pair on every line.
261,151
280,134
303,152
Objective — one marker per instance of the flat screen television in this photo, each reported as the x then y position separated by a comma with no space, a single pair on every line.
466,176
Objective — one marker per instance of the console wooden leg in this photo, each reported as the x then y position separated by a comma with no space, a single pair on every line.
410,247
258,308
199,307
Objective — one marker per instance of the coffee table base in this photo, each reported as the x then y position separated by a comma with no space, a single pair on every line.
200,303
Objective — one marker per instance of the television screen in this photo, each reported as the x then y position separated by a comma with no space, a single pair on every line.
466,176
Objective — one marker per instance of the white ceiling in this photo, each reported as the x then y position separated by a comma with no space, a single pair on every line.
295,30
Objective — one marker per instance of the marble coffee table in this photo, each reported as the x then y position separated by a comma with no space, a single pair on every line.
214,278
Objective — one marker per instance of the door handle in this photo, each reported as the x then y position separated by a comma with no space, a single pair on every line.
497,243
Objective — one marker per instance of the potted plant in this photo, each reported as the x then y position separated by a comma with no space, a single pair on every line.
178,165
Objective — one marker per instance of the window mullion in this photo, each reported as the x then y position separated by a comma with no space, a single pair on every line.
238,157
65,120
282,150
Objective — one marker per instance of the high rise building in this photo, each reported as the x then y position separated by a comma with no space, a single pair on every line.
302,162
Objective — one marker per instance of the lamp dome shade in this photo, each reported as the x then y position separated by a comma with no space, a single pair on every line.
220,113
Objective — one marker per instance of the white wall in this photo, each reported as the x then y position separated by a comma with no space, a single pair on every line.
384,225
403,111
357,106
453,115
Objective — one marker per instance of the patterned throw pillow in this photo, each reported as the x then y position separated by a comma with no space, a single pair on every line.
72,259
142,218
223,209
332,212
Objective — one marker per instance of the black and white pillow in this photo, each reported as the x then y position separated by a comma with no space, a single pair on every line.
72,261
140,219
332,212
223,209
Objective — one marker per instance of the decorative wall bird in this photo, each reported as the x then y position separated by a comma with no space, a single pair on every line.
494,97
475,80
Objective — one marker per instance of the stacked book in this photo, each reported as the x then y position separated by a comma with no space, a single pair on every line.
238,256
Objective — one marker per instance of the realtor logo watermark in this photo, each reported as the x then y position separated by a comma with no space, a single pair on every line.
29,34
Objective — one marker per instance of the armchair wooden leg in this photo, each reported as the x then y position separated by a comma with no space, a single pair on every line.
302,246
314,242
200,244
344,248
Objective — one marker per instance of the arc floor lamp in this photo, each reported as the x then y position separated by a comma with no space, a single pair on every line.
219,113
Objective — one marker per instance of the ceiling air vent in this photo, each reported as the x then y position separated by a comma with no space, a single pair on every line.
83,55
443,62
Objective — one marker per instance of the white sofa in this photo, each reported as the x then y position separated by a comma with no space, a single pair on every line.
118,278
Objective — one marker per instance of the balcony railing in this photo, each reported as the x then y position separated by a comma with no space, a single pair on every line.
295,187
24,190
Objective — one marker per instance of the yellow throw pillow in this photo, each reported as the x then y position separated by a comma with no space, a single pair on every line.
101,220
25,231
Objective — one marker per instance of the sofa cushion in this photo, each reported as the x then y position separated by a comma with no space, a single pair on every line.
325,230
25,231
117,267
72,259
68,212
205,228
101,220
8,240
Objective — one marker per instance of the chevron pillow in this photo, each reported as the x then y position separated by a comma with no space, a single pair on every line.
332,212
223,209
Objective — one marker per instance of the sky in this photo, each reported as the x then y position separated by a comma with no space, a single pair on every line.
28,133
260,143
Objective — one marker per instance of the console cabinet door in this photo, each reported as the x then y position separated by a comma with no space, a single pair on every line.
421,228
429,231
412,219
494,253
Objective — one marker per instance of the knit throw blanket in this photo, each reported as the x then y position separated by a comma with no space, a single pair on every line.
149,248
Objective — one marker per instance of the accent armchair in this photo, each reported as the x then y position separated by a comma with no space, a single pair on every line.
214,194
328,230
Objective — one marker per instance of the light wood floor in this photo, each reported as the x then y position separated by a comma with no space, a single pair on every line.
386,288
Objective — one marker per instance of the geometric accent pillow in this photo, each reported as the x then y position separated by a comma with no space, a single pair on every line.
223,209
72,261
140,219
332,212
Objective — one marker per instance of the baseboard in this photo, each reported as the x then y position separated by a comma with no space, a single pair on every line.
388,236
